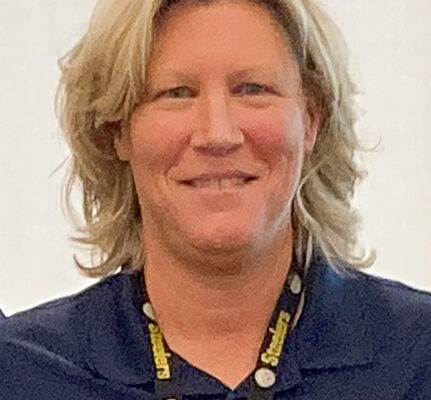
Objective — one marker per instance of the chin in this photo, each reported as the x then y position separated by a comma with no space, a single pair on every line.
223,237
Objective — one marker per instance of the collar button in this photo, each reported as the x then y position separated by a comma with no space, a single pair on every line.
149,312
265,377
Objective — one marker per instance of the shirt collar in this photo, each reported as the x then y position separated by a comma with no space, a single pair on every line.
335,330
119,341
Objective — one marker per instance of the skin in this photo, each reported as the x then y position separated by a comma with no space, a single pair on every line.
219,259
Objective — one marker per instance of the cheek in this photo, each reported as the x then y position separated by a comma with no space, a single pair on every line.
157,141
278,137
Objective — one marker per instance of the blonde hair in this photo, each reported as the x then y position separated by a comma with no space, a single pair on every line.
103,81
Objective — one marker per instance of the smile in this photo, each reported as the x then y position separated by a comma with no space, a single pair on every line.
219,183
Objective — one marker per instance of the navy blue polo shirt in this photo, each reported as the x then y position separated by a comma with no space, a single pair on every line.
359,337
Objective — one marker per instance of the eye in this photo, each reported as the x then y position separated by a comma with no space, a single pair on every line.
177,93
251,89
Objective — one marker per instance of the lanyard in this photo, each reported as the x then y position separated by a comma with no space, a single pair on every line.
265,372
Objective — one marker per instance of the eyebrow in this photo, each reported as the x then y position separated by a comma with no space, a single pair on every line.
242,73
264,70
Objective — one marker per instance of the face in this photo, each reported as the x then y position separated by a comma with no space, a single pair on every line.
217,149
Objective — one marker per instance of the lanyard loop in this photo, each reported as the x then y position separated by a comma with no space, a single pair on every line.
265,372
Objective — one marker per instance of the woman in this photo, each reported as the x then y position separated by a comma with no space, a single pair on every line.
214,141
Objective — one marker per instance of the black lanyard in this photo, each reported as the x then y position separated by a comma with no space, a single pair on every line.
271,349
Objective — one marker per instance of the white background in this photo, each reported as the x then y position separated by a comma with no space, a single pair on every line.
389,44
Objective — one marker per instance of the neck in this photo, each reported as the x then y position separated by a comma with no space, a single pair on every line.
194,305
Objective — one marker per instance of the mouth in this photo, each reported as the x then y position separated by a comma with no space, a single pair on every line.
220,182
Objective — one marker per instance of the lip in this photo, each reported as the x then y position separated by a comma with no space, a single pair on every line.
221,191
221,175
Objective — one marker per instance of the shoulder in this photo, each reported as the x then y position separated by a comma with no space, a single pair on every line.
57,333
378,330
390,314
350,289
399,318
90,344
406,311
407,307
402,316
356,319
63,310
401,297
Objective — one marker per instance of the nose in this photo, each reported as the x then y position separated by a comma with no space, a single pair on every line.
216,132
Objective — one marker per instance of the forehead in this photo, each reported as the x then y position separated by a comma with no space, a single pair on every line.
239,30
180,7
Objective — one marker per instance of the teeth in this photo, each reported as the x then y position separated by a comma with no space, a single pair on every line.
225,183
218,183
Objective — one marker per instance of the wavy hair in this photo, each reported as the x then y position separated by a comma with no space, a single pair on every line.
102,83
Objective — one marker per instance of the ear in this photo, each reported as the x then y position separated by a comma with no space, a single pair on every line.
122,143
313,120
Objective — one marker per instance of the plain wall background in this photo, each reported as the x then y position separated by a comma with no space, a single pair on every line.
391,61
